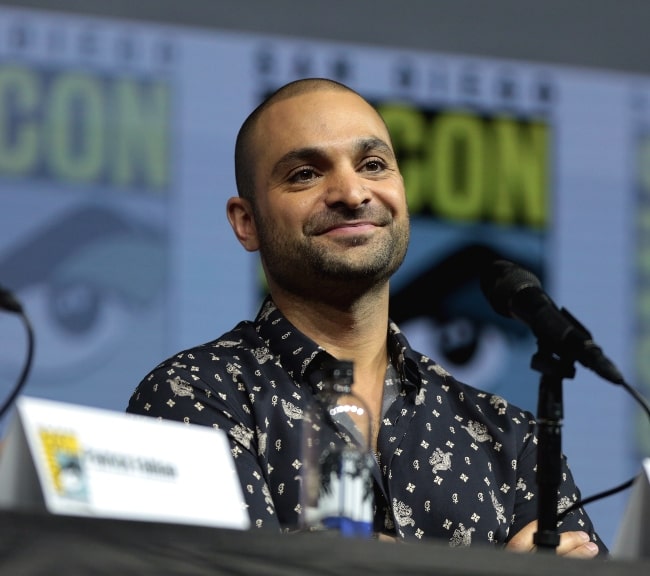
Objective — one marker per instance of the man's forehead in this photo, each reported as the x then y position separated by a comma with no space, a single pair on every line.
320,107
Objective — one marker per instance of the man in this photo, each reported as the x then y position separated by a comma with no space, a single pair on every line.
322,199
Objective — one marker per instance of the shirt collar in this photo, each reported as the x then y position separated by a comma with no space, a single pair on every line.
297,353
300,356
403,357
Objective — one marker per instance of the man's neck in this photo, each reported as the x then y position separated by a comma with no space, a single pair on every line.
351,330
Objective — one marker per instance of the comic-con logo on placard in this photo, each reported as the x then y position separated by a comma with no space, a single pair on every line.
64,458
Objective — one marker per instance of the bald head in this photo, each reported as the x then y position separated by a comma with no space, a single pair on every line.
245,144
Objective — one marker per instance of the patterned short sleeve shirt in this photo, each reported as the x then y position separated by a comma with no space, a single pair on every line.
452,462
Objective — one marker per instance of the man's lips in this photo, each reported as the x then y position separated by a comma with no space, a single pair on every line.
363,221
349,228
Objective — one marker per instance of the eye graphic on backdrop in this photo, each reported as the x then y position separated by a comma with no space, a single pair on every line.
444,315
469,351
96,274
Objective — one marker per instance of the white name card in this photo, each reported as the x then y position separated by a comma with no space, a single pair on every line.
84,461
633,536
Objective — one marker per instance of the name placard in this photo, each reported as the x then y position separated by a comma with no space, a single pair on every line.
633,537
85,461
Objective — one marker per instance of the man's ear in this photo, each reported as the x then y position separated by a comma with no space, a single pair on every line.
240,216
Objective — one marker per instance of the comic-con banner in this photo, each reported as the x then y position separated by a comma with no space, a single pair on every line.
641,263
116,161
86,176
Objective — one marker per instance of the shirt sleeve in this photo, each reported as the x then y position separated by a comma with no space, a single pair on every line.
568,493
175,392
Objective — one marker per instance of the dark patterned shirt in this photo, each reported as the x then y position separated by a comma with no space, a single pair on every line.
454,463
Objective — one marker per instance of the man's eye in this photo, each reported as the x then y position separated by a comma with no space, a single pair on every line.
374,165
302,175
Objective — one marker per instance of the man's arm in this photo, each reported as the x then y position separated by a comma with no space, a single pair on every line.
175,393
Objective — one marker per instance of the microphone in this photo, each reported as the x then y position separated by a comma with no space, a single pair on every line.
8,301
517,293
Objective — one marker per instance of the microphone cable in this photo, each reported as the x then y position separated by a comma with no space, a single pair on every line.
9,303
515,292
625,485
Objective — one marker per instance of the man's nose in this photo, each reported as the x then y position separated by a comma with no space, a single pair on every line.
347,187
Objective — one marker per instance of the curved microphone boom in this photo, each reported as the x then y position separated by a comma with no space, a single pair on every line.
517,293
9,303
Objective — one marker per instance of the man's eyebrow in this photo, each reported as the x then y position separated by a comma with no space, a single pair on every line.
313,153
306,154
375,144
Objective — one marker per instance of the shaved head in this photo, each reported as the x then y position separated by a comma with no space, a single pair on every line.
245,145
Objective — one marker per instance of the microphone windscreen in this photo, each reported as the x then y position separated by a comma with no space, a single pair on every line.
8,301
501,280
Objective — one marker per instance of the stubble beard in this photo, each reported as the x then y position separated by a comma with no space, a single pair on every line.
309,267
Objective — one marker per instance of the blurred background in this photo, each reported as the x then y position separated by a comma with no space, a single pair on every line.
522,128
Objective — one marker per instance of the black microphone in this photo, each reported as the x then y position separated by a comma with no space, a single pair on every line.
517,293
8,301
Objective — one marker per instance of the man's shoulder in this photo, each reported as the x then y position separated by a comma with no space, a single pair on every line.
239,342
438,380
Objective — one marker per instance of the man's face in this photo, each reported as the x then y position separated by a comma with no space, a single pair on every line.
330,201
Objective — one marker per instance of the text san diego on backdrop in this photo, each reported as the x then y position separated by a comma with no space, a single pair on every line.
116,148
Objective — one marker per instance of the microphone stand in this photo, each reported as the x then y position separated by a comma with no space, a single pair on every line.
550,413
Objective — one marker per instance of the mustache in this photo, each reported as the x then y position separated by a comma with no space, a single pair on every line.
332,218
